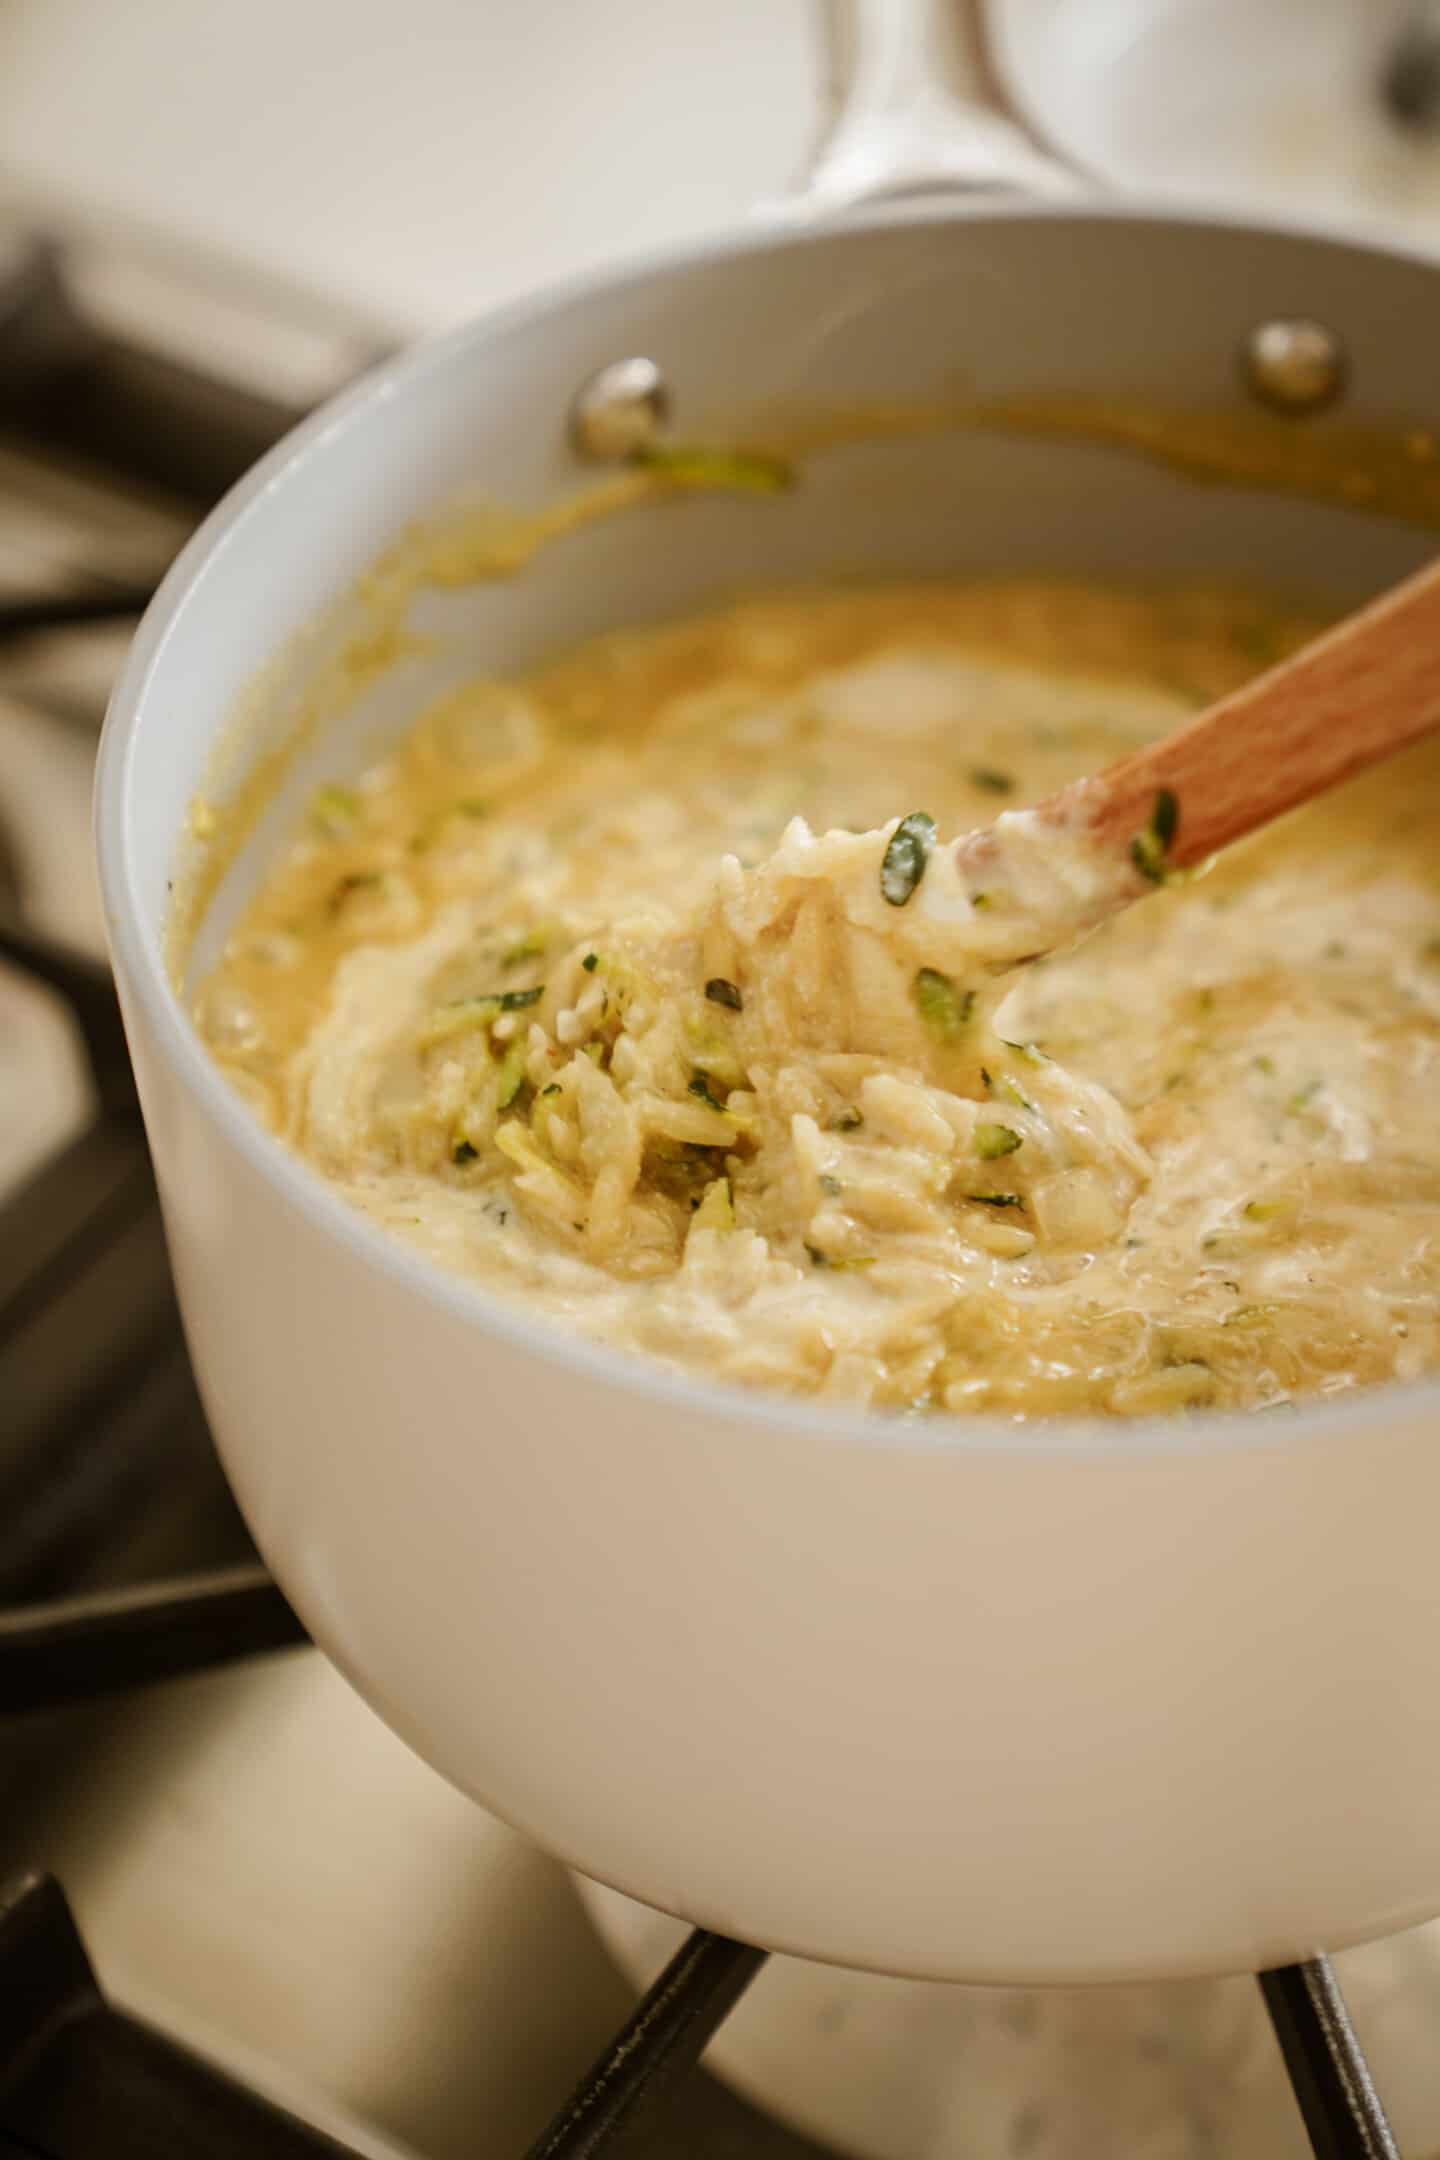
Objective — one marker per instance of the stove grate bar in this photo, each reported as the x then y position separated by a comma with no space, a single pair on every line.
1328,2070
70,1649
666,2033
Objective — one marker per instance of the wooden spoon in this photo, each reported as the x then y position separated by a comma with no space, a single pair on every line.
1363,691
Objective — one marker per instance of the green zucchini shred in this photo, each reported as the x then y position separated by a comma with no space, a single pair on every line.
821,1259
1151,845
700,1088
743,472
333,810
529,947
942,1005
991,781
512,1073
903,864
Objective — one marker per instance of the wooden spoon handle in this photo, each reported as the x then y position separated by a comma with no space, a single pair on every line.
1361,692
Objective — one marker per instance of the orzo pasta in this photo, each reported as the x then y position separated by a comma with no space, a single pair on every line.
507,994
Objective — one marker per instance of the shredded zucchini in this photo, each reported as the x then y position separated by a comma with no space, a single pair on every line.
333,811
944,1008
743,472
903,864
992,1141
1152,844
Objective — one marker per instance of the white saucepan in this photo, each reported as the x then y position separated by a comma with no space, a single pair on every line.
942,1698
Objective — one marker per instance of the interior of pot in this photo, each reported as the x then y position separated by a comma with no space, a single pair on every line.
909,314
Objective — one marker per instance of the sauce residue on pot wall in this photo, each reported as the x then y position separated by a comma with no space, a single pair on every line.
1391,471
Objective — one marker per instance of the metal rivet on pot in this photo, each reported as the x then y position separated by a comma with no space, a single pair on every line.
620,410
1294,364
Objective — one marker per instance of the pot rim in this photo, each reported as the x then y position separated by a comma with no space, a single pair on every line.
139,961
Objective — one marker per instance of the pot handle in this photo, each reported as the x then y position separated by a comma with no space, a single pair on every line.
917,110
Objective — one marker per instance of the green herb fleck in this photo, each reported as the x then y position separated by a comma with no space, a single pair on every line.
461,1014
943,1007
333,810
830,1185
1151,845
827,1260
1031,1052
463,1152
721,992
996,1199
551,1088
991,781
994,1140
529,947
700,1087
905,858
590,962
512,1073
745,472
849,1121
1304,1096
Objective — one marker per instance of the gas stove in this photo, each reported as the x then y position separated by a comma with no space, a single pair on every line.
236,1916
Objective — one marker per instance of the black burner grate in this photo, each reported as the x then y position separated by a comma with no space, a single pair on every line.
82,2080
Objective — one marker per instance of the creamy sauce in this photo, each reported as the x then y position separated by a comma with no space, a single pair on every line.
592,990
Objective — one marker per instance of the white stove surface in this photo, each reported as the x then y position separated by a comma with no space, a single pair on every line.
260,1867
416,161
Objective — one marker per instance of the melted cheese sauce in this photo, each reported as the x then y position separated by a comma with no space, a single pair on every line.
500,993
